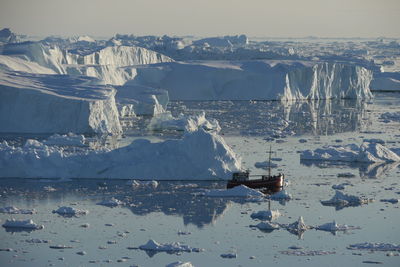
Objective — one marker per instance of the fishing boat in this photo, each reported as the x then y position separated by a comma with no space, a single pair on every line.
268,181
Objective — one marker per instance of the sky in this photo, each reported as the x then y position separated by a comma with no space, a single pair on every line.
256,18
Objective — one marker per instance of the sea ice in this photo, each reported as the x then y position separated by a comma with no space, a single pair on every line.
333,227
267,226
180,264
307,252
341,199
169,247
15,210
22,224
70,211
281,195
237,191
266,215
112,202
375,246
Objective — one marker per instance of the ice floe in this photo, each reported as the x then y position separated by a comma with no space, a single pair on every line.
15,210
333,227
22,224
70,211
267,226
367,153
168,247
112,202
166,121
281,195
266,215
198,155
341,199
307,252
375,246
237,191
180,264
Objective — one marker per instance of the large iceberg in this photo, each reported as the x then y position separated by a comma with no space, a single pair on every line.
198,155
42,103
256,80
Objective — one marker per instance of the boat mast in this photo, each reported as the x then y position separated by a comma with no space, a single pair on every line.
269,162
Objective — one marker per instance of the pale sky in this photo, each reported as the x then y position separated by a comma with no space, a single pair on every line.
261,18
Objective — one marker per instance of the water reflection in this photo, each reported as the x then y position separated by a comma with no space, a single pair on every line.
276,118
366,170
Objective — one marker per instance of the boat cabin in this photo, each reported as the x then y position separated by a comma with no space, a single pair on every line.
241,176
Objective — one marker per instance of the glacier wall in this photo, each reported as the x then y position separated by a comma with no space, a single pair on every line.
39,103
256,80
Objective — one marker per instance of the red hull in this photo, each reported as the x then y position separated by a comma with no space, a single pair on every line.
268,182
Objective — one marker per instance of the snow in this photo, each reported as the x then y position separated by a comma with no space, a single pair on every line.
266,215
333,226
40,103
198,155
18,64
375,246
170,247
166,121
70,211
367,152
22,224
237,191
15,210
180,264
256,80
342,199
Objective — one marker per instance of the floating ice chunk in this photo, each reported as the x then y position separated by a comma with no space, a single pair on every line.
37,241
298,227
22,224
265,165
367,152
281,195
112,202
70,211
341,199
266,215
303,141
170,247
229,255
237,191
69,139
307,252
391,116
267,226
374,140
333,227
340,186
15,210
180,264
149,184
375,246
60,247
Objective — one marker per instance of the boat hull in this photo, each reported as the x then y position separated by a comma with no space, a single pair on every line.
265,182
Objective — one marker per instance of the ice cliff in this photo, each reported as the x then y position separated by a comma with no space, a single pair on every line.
198,155
42,103
256,80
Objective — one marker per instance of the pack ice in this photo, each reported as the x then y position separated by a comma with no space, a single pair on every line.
198,155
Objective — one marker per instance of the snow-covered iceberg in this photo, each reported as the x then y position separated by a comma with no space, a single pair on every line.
198,155
256,80
41,103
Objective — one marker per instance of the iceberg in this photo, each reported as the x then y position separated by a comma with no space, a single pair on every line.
334,227
256,80
69,211
168,247
366,153
42,103
22,224
343,200
166,121
198,155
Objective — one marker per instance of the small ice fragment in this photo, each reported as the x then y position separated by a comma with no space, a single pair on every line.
22,224
172,247
267,226
374,246
81,253
37,241
180,264
346,175
70,211
333,227
15,210
266,215
282,195
113,202
60,247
